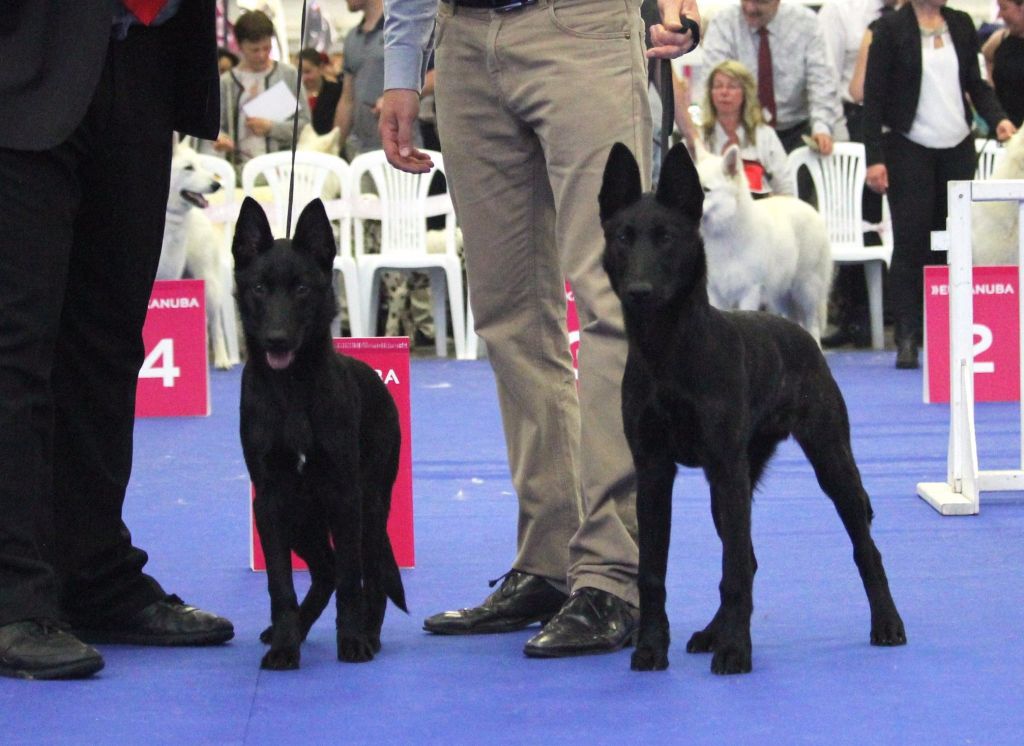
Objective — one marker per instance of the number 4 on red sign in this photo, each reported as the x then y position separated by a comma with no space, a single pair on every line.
159,363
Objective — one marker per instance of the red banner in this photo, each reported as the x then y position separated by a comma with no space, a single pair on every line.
389,356
175,378
996,339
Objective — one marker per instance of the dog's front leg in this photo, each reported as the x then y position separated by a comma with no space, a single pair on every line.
729,631
655,475
354,645
285,636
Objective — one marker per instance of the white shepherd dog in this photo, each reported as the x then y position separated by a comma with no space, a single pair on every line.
994,228
193,247
770,253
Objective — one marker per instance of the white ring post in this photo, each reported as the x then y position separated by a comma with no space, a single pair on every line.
959,494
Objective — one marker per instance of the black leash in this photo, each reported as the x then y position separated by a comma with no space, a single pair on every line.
663,82
295,124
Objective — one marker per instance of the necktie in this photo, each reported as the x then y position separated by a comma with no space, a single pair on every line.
765,81
145,10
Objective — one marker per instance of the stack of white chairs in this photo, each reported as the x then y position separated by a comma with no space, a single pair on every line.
839,182
316,175
401,203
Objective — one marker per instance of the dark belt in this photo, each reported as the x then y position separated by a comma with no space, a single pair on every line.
501,6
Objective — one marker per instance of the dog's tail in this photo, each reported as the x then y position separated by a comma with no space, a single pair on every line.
392,577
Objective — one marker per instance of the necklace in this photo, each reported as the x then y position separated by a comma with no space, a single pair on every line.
935,34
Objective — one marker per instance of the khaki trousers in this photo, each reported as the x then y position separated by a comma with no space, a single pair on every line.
529,104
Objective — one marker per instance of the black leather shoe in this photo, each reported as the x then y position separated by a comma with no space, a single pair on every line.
906,354
169,621
35,649
592,621
522,600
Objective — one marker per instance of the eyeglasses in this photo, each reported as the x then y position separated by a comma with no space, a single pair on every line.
727,86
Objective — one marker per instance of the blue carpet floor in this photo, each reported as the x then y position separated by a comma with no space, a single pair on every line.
958,582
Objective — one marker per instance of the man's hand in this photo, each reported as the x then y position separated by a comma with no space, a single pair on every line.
667,39
877,178
223,143
824,142
399,108
1005,130
259,126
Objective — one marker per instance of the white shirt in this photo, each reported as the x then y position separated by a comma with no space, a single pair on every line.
843,23
767,151
806,87
940,121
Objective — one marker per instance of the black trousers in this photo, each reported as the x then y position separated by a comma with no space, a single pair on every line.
918,202
80,233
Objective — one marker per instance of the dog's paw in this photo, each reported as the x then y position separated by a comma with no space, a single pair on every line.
649,658
267,635
281,659
701,642
888,631
731,658
355,649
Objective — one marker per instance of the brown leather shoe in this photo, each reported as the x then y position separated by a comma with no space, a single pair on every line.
39,649
591,621
522,600
167,622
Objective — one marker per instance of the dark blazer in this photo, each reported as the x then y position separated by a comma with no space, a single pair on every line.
892,84
53,51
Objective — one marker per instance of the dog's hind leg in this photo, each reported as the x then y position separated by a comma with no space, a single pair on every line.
655,475
354,645
826,442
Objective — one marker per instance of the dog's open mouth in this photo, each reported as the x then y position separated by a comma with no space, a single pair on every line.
280,360
194,198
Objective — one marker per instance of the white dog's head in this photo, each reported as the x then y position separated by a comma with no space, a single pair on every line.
725,185
189,181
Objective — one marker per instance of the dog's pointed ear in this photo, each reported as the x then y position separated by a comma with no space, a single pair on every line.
732,164
315,236
621,186
252,233
679,186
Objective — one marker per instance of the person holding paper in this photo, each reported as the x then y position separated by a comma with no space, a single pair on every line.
257,97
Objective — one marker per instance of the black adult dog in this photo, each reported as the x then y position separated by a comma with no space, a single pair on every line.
321,439
719,391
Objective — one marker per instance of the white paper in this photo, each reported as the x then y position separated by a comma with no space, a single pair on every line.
277,103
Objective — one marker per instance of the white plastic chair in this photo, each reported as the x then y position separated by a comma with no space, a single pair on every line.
988,151
316,175
402,205
839,183
225,216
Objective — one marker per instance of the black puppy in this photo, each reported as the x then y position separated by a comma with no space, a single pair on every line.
321,438
718,391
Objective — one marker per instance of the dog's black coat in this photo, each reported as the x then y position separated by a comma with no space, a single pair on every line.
718,391
321,440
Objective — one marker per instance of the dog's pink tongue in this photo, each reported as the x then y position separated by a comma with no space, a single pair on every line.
280,360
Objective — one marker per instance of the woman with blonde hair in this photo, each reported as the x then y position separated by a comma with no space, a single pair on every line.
731,115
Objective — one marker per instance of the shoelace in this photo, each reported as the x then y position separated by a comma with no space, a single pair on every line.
501,579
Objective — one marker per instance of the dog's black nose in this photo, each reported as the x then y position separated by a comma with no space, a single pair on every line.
639,291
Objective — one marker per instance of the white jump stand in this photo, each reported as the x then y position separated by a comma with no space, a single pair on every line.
960,493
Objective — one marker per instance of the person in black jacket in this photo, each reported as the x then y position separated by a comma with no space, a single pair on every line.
323,94
85,151
922,67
